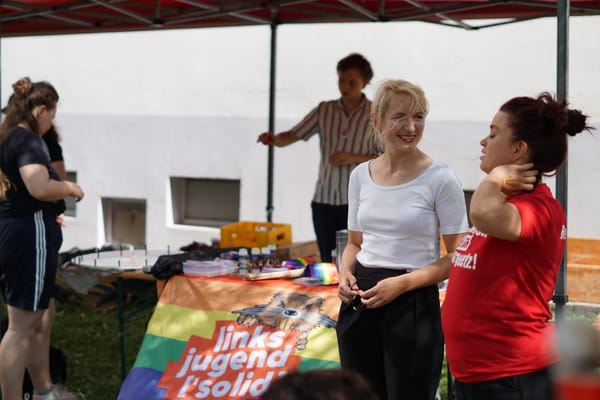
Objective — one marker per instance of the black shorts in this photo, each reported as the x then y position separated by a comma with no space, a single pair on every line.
28,259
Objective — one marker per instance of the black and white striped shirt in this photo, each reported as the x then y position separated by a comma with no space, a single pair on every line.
337,132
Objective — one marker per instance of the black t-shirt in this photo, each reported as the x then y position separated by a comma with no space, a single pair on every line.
53,148
23,147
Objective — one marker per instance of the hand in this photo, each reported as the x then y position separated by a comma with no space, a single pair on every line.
61,220
383,292
266,138
513,178
76,191
348,288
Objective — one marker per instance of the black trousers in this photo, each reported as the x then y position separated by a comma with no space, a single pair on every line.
398,348
327,220
532,386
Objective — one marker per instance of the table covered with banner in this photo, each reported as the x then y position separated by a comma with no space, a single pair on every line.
228,338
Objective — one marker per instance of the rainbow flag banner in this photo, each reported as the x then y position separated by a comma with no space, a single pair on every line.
227,338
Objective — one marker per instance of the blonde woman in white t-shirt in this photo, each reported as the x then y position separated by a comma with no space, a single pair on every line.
389,327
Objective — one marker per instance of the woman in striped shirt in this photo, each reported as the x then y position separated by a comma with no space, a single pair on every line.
343,129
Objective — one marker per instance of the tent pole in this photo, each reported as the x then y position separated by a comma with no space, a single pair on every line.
271,121
562,68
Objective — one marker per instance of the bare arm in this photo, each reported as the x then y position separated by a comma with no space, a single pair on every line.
343,158
41,187
347,285
59,167
281,139
388,289
490,212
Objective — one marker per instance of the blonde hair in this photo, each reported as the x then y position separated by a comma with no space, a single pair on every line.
4,184
385,92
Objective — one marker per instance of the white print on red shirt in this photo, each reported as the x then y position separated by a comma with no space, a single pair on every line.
563,233
466,261
465,242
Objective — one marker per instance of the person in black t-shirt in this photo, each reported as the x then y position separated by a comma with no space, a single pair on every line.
30,237
51,138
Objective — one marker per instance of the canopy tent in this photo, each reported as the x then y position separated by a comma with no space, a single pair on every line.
43,17
46,17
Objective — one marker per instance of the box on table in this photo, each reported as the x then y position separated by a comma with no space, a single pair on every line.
255,234
297,250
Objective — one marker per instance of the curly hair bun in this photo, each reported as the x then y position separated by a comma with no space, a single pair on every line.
22,86
576,122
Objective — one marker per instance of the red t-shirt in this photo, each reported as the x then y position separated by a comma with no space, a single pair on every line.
495,315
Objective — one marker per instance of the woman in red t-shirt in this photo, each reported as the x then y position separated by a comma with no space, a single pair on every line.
495,315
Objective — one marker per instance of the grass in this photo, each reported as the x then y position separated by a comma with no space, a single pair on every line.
90,340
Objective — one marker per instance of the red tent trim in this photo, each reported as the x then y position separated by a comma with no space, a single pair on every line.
43,17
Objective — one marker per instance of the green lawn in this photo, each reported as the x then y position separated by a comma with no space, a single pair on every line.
90,340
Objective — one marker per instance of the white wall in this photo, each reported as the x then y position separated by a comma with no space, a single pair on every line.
133,157
137,108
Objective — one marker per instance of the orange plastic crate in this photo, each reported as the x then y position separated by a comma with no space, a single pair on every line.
255,234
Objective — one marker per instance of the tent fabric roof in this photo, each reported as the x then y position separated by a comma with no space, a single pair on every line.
43,17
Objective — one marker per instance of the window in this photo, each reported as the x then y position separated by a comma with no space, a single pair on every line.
205,202
71,210
124,221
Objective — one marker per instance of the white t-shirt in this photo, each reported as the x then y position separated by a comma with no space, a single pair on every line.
400,224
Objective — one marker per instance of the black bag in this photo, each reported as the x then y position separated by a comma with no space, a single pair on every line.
168,265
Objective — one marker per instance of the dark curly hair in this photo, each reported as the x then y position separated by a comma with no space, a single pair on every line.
544,123
356,61
326,384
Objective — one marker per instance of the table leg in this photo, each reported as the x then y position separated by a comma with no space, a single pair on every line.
121,318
